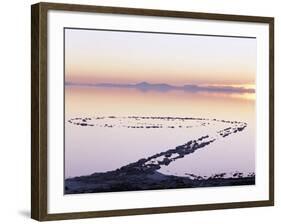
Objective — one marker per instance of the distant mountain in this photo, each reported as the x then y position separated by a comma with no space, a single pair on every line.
112,85
159,87
163,87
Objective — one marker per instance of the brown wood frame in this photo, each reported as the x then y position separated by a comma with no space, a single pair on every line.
39,110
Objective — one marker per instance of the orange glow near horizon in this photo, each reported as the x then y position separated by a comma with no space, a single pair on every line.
123,102
121,57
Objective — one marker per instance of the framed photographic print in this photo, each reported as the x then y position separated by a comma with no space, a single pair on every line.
141,111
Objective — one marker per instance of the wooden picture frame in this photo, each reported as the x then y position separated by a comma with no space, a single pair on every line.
40,104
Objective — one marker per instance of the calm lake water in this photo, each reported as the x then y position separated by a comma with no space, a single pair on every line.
99,149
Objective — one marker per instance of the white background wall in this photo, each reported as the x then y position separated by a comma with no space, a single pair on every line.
15,111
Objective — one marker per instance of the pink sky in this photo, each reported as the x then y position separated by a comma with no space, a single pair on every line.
94,56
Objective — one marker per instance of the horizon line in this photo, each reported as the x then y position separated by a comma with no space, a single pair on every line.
164,87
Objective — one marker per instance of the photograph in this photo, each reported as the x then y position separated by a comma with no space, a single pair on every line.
139,111
154,110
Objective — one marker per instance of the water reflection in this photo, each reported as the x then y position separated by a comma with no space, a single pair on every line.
94,149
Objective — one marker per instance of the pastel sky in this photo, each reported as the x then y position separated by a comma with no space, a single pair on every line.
96,56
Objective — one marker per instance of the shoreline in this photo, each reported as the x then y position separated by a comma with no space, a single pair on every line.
116,181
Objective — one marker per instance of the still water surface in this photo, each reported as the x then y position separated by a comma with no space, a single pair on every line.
96,149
